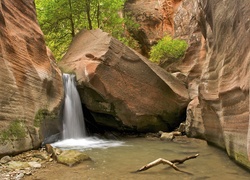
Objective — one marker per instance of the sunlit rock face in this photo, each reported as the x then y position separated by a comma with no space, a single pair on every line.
121,88
224,86
31,84
155,18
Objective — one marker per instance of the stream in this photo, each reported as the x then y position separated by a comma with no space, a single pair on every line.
119,159
122,159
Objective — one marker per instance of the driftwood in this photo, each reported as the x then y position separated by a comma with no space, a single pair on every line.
164,161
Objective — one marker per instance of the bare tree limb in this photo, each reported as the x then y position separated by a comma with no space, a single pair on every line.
156,162
181,161
164,161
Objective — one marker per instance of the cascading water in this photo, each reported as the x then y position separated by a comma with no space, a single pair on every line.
74,133
73,120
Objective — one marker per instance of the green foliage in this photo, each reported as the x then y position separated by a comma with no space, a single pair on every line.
61,20
16,130
168,47
41,115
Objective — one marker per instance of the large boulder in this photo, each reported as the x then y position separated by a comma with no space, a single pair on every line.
225,78
31,89
121,88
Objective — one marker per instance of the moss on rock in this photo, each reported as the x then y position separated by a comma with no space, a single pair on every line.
41,115
16,130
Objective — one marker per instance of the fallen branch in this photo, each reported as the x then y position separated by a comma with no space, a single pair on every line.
164,161
181,161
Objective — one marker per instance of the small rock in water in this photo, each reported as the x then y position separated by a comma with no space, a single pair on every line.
72,157
182,128
167,136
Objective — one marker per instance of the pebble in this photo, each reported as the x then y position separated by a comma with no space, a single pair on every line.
5,159
16,167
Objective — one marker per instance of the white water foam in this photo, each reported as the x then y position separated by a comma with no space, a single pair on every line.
86,143
74,133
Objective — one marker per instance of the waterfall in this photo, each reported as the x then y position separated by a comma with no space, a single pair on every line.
74,134
73,120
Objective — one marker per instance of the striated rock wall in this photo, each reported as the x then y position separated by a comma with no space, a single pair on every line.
31,89
224,86
215,67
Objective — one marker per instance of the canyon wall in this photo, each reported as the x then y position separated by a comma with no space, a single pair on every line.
31,89
215,67
225,78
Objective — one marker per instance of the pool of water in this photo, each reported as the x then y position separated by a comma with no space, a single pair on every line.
120,162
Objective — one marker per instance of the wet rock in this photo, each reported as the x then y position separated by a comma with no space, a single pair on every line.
182,128
49,149
166,136
72,157
51,139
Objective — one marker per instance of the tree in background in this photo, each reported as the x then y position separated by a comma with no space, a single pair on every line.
60,20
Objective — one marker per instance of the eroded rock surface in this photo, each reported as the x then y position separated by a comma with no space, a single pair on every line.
31,87
215,67
155,18
225,79
121,88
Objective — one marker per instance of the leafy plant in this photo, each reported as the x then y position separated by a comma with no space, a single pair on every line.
168,47
61,20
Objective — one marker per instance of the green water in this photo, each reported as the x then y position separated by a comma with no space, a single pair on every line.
118,163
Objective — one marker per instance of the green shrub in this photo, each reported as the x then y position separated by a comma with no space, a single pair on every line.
168,47
16,130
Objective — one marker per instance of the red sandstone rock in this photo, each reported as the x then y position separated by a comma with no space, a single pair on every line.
225,79
29,78
121,88
194,122
155,18
216,66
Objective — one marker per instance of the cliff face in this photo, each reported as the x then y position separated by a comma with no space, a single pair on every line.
30,83
155,18
215,68
225,78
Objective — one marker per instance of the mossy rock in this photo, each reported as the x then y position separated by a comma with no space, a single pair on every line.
41,115
72,157
16,130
